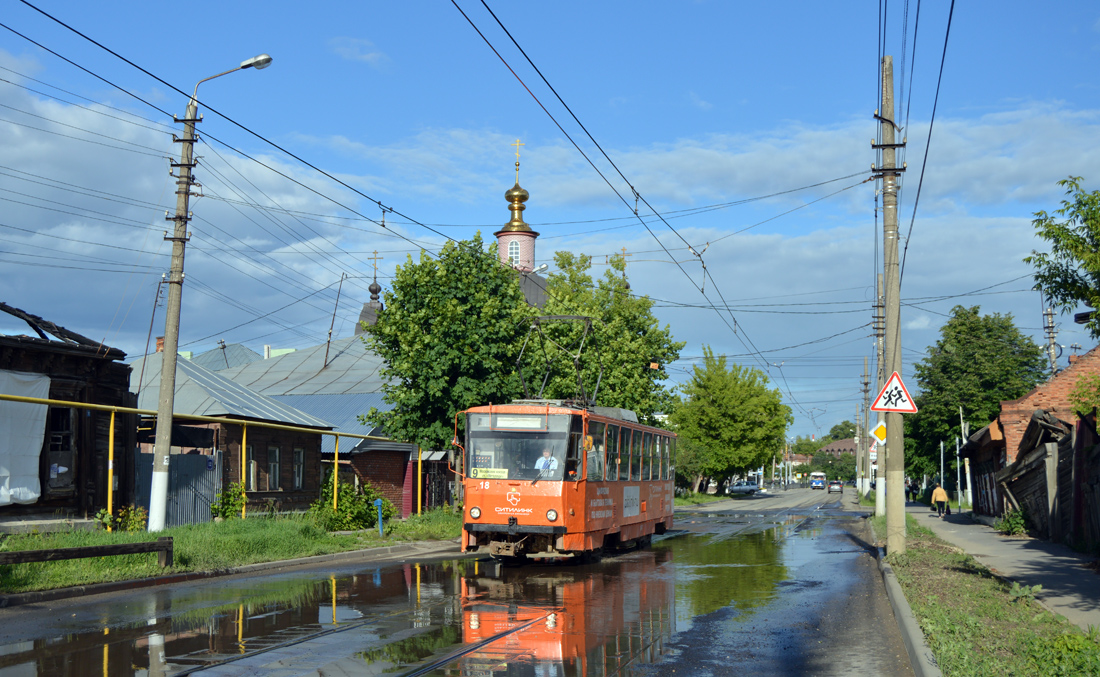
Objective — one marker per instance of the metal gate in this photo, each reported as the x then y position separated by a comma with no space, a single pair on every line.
194,481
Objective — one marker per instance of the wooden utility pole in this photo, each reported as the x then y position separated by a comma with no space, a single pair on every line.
895,439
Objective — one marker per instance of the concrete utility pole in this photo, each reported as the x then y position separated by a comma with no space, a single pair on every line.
865,478
895,439
859,443
158,489
880,455
1052,334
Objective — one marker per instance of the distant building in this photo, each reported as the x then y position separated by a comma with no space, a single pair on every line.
835,449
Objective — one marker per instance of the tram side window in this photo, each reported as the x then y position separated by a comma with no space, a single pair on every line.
611,472
637,449
658,457
596,452
647,455
624,456
671,474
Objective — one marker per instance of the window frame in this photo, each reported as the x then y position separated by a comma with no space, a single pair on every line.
274,467
299,468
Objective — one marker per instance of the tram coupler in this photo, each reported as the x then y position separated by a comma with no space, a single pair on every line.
505,548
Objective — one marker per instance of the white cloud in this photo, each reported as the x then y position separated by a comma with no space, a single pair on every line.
357,49
698,102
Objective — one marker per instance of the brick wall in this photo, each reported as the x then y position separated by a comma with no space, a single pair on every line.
526,240
1052,396
262,440
383,470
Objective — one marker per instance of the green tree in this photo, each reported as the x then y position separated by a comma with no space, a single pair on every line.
805,446
626,340
841,467
1070,273
845,430
979,361
449,333
733,414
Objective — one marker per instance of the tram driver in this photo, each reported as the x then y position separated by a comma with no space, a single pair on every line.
547,463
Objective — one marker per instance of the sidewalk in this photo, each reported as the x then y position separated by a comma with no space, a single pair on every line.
1069,587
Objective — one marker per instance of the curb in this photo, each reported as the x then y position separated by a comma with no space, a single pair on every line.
369,554
920,655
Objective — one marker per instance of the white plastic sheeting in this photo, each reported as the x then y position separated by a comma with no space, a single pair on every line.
22,428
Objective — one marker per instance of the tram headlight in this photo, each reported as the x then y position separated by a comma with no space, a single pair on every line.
552,515
475,512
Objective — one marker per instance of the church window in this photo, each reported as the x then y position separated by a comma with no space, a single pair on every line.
513,253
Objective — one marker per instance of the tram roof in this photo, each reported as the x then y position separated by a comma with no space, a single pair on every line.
607,412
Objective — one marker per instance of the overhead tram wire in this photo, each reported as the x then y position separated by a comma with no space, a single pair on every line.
230,120
927,143
637,195
421,247
912,63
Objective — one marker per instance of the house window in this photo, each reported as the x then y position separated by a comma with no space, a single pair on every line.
513,253
272,468
62,455
299,468
249,469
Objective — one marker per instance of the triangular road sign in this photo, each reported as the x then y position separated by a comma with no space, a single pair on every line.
894,397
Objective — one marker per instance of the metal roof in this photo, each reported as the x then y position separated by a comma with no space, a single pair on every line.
201,392
233,355
342,411
351,369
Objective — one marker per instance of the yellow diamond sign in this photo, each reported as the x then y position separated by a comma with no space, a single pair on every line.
879,433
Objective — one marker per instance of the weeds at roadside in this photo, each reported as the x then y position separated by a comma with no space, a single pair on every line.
976,623
693,498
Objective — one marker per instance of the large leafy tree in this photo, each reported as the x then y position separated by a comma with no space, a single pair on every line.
1070,273
979,361
450,333
845,430
733,415
626,340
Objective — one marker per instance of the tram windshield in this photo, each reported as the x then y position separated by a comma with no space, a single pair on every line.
518,446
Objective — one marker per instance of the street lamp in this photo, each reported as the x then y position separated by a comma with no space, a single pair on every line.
158,489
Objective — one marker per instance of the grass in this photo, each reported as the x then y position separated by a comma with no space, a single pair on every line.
977,623
206,547
694,498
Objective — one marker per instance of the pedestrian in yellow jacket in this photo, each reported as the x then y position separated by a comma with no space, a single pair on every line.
939,497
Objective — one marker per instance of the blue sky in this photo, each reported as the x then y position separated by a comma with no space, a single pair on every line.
697,103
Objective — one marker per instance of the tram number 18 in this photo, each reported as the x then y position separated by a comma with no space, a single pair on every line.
482,485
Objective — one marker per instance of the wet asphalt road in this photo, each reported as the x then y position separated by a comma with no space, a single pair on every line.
783,584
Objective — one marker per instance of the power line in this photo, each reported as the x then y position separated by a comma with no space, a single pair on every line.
927,143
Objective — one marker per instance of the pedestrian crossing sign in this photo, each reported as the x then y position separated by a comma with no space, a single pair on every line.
894,397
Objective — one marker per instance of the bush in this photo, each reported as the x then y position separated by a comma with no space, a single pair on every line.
1014,523
130,518
354,509
228,503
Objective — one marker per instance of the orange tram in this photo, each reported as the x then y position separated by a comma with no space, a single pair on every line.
555,479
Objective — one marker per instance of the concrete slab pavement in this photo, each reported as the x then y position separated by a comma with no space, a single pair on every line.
1070,588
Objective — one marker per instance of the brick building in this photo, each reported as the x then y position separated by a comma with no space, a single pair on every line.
282,468
998,445
1052,397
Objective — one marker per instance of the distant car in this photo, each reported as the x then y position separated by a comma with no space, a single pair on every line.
743,488
836,485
